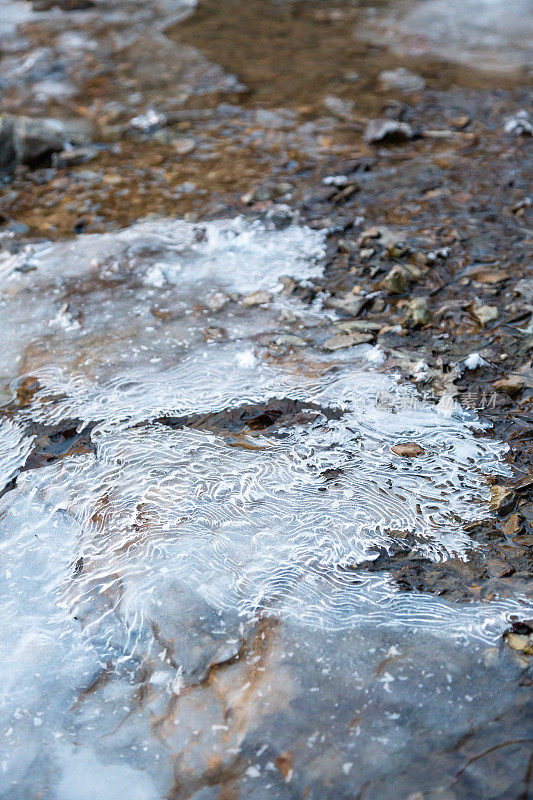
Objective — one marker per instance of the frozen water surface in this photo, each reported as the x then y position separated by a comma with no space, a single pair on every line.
492,35
225,502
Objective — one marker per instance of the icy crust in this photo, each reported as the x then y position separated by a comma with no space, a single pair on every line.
257,525
103,304
14,449
235,254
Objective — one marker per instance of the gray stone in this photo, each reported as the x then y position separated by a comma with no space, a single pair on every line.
388,131
397,280
417,313
401,80
24,140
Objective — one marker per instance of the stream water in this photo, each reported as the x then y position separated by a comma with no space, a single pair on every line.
187,531
217,486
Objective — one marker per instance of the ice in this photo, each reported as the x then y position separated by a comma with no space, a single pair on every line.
128,570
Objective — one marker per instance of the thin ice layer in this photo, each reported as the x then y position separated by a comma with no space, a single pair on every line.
257,524
14,449
103,304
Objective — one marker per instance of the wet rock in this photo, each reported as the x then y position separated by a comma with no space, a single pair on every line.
289,340
499,568
512,385
216,301
262,194
502,499
351,325
73,157
520,637
24,140
525,484
519,124
408,449
489,276
256,298
417,313
514,524
385,236
351,304
401,80
185,145
388,131
341,340
337,106
8,155
396,281
485,314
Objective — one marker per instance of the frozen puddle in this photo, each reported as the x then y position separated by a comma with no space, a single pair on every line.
213,485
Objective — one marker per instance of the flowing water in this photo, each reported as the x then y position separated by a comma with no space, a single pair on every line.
189,518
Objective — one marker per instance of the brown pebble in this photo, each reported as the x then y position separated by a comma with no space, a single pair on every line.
408,449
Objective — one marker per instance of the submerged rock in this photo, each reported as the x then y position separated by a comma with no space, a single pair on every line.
512,385
401,80
341,340
257,298
502,499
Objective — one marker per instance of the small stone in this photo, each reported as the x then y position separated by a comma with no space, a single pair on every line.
498,568
351,325
256,298
396,281
341,340
24,140
256,195
388,131
289,340
337,106
490,276
417,313
525,484
523,643
350,303
491,656
401,80
519,124
502,499
347,246
184,146
512,385
514,524
485,314
216,301
73,157
408,450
